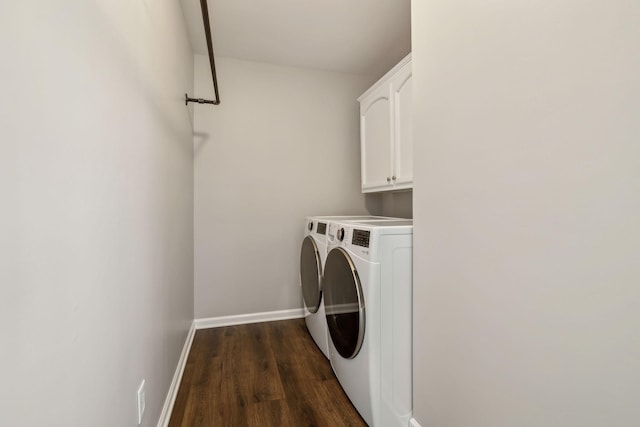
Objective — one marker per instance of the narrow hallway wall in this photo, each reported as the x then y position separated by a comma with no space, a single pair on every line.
526,203
96,185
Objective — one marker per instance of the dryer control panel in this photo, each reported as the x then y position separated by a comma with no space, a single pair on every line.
360,238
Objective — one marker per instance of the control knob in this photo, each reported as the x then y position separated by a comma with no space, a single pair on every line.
311,226
341,234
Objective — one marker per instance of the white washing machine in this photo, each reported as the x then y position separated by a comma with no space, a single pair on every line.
368,301
312,258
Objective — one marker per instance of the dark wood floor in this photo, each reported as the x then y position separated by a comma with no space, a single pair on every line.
263,374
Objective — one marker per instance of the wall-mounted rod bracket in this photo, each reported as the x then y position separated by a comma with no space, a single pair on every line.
207,32
187,100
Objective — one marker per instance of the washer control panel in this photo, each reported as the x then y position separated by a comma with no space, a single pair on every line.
321,228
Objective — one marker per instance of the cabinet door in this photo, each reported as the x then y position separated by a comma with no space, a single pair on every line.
375,134
403,129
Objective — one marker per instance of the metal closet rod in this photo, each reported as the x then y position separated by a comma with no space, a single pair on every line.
207,32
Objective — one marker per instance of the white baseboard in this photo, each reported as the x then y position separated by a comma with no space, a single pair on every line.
165,415
413,423
241,319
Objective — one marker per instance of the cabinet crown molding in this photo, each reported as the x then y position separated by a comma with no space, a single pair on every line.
382,80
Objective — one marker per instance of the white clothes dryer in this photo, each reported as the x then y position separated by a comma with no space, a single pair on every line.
312,258
368,302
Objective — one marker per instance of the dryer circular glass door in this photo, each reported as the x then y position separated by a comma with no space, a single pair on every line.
310,274
343,303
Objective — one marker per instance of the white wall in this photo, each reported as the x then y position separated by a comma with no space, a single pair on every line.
526,203
397,203
284,144
96,185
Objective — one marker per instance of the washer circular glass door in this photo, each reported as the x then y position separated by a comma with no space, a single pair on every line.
343,303
310,274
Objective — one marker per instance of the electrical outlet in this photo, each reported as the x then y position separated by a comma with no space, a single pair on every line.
141,402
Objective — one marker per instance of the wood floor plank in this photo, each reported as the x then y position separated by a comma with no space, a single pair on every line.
273,413
263,374
246,381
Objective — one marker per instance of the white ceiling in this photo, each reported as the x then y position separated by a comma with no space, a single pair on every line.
352,36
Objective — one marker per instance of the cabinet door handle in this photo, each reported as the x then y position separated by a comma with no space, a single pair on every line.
388,179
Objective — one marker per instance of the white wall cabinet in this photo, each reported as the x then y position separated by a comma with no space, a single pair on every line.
386,131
